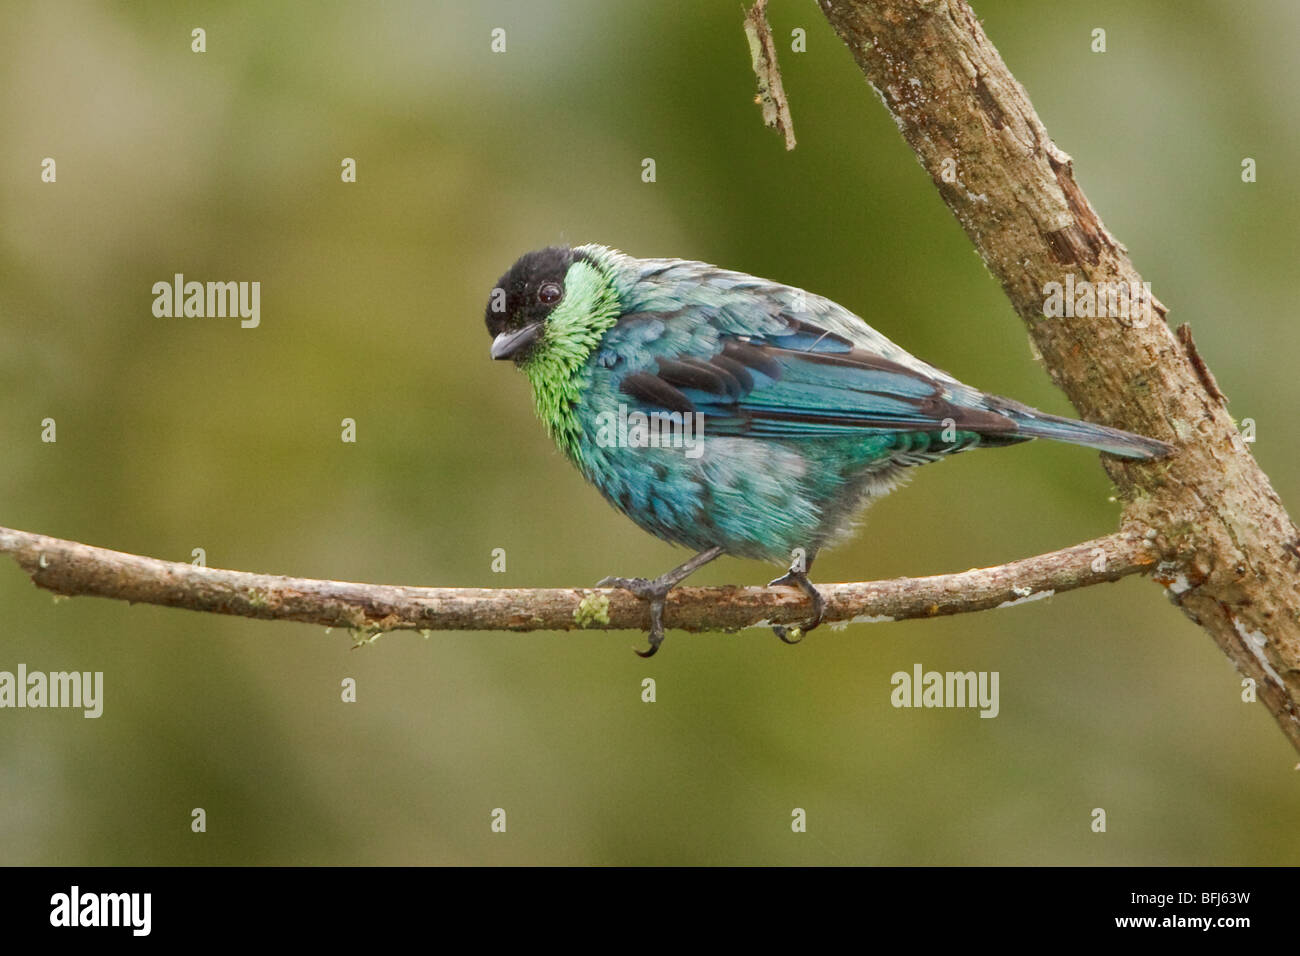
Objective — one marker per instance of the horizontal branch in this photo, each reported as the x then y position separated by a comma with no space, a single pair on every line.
72,569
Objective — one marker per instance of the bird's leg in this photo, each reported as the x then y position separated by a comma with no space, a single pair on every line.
797,577
654,591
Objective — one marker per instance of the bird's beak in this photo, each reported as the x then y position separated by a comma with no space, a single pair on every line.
509,344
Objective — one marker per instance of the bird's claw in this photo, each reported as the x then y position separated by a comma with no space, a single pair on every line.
653,593
784,633
643,588
799,579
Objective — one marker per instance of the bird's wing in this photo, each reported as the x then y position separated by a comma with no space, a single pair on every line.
788,377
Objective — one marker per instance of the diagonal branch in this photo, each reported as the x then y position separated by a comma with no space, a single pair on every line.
1228,548
72,569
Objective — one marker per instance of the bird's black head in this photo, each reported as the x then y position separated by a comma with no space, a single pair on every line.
523,299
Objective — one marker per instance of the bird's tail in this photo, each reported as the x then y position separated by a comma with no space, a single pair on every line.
1031,423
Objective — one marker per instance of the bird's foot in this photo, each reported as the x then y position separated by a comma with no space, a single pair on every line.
653,592
799,579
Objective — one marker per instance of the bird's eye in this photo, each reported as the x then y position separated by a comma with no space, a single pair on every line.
548,293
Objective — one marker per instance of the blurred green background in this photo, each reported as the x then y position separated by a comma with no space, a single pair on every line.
176,434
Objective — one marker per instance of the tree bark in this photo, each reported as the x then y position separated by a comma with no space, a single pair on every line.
1228,549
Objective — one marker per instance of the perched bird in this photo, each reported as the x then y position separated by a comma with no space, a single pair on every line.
788,413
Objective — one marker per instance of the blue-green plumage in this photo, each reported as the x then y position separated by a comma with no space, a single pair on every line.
805,412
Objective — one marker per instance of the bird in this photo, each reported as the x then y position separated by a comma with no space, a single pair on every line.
735,415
